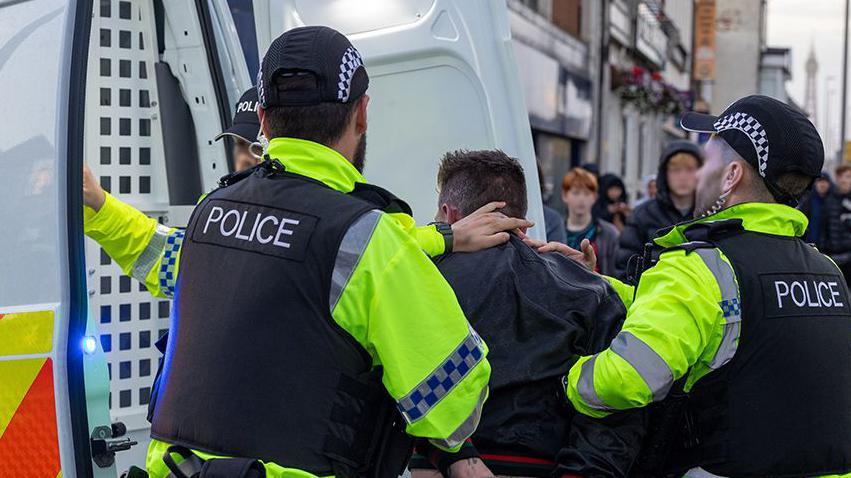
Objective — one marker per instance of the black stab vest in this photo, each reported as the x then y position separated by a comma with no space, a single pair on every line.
782,406
256,366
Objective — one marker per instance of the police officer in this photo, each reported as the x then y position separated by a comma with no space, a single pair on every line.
739,315
243,130
326,332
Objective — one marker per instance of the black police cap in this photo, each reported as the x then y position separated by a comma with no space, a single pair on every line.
770,135
333,67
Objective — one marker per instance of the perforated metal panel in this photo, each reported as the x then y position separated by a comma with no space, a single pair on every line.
124,150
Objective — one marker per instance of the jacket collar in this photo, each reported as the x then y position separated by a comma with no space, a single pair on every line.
766,218
315,161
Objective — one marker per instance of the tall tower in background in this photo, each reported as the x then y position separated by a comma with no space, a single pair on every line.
810,96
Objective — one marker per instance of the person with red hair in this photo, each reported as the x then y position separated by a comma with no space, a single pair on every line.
579,192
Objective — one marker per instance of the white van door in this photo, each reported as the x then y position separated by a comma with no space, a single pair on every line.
442,77
53,376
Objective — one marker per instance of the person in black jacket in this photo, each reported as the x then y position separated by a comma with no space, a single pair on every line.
537,313
612,204
814,205
838,219
674,203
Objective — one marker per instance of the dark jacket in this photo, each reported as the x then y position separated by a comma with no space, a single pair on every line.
538,313
815,208
838,219
654,214
554,223
601,207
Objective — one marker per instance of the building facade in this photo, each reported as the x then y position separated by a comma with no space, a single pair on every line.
604,82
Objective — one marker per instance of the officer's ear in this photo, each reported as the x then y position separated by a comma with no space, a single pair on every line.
734,176
261,115
360,115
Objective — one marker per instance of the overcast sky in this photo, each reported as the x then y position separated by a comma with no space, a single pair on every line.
798,24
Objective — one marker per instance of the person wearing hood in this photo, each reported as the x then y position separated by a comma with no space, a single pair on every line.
612,204
813,206
676,182
648,183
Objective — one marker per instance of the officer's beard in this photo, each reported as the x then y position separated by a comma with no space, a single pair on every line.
359,158
708,210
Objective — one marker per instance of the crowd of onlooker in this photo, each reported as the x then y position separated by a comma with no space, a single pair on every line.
828,207
597,208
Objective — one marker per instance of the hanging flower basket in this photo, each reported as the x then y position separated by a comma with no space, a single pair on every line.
648,92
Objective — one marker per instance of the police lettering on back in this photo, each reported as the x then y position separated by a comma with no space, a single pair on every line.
231,223
808,293
253,228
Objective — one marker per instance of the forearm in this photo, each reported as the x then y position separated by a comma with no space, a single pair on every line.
444,461
430,241
133,240
674,322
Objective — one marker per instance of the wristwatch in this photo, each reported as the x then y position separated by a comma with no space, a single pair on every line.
446,231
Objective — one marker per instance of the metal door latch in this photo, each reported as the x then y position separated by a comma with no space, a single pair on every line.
106,441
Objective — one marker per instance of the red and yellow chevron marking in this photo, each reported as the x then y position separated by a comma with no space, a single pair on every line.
26,333
29,445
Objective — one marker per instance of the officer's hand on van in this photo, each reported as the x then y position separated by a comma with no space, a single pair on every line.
484,228
93,194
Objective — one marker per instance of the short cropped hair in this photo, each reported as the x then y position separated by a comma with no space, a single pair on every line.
794,184
321,123
579,178
842,169
468,180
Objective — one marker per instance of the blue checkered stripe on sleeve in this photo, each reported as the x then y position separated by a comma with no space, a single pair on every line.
168,274
439,383
731,308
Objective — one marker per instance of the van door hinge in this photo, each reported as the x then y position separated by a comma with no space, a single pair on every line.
108,440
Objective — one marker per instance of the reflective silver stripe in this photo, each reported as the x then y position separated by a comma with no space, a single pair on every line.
650,366
466,429
585,386
730,305
350,252
148,258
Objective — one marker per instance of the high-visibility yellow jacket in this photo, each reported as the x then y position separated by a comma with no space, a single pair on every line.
396,304
675,322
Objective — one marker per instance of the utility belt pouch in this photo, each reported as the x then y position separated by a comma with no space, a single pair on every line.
363,442
667,425
395,446
192,466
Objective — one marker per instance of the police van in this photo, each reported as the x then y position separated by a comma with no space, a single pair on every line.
138,89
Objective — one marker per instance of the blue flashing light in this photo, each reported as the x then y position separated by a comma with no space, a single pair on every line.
90,344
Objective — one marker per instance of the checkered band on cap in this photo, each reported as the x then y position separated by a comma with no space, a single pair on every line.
750,126
261,93
349,64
